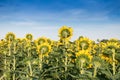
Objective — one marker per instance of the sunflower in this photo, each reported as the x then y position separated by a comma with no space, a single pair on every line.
49,41
83,57
113,40
96,49
108,47
41,40
18,40
10,36
23,40
65,33
29,37
97,61
107,59
109,51
2,41
84,43
44,49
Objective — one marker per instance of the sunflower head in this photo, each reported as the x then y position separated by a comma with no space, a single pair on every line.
44,49
29,37
18,40
41,40
10,36
83,59
84,55
109,47
2,41
84,43
107,59
97,61
24,42
65,32
49,41
96,49
113,40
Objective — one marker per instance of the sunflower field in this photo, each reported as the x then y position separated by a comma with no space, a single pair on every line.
46,59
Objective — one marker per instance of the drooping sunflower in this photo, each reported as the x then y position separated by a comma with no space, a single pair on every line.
65,33
29,37
50,41
41,40
109,52
23,43
113,40
10,36
108,47
18,40
2,41
84,43
107,59
83,57
23,40
97,61
96,49
44,49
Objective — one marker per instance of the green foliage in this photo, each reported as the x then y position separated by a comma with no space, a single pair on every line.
21,60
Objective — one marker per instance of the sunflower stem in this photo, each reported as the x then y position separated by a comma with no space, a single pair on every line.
29,65
66,58
95,71
66,63
113,56
9,48
40,66
5,63
41,58
81,67
14,61
9,45
14,64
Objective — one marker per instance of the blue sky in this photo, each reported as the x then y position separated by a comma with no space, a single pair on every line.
95,19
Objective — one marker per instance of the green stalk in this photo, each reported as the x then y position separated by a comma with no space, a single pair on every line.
5,63
14,62
66,58
113,56
30,66
66,63
65,53
41,59
1,78
95,71
9,44
9,48
81,67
